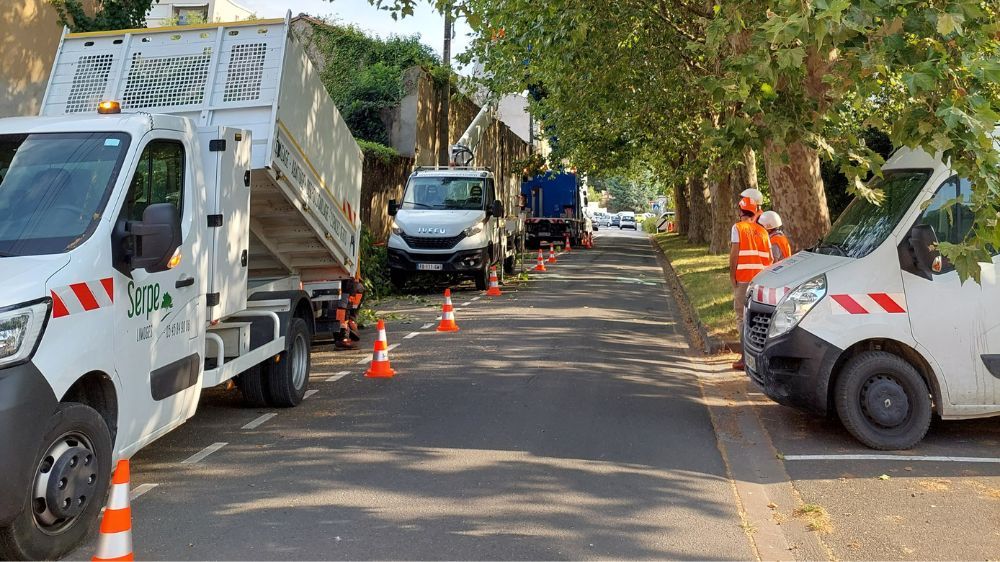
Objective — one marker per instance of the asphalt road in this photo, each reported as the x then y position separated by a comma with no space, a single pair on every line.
559,423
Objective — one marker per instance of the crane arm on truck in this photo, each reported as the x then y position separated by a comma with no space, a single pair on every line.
463,151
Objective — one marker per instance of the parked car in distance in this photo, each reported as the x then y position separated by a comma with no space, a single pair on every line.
627,220
615,221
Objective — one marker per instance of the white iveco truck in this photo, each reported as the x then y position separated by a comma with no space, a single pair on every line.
457,219
164,227
873,323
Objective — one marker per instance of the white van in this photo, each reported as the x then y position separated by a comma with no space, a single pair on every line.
873,323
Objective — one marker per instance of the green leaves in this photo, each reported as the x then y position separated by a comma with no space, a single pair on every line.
949,23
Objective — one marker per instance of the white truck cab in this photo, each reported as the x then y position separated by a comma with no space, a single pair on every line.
450,220
873,323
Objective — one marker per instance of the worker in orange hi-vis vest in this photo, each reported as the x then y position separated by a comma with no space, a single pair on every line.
749,254
780,248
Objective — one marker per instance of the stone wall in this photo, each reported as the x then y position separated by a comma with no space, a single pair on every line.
382,180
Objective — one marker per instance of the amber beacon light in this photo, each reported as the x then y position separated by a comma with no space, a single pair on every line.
108,107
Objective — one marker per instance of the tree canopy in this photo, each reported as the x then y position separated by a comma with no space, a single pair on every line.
108,15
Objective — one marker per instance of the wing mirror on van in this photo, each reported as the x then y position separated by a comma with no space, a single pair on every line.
496,209
924,241
393,207
155,238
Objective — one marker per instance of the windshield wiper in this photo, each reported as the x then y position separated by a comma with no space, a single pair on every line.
840,248
421,205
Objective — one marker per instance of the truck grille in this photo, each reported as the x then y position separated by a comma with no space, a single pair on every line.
429,243
757,325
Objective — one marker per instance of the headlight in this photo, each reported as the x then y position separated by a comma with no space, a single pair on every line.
395,229
473,230
19,331
795,305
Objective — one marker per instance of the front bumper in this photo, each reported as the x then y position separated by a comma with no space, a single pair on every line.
793,369
466,261
26,404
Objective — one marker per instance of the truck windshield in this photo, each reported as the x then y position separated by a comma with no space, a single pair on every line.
863,226
53,188
444,193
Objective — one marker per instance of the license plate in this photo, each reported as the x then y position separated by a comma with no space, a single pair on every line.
751,362
429,267
544,233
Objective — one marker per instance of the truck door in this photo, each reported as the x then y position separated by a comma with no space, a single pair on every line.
958,323
158,314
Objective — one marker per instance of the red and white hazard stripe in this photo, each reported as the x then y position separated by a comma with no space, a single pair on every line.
869,303
769,295
82,297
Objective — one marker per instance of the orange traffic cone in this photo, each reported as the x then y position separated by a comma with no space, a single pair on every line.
380,368
552,253
568,247
494,288
447,315
115,539
540,266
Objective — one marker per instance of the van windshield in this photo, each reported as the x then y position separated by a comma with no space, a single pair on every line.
53,188
863,226
444,193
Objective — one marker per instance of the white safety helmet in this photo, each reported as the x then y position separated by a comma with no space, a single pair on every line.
754,194
769,220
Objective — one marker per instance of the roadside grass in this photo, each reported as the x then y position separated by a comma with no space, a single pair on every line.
816,517
706,281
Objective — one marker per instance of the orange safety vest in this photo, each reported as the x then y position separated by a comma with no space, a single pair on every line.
755,251
781,241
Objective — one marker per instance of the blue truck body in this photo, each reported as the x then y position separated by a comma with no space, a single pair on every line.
553,203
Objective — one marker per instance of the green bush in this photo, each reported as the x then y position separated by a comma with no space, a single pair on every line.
374,267
649,225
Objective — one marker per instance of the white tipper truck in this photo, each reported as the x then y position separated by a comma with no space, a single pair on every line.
174,219
457,219
873,323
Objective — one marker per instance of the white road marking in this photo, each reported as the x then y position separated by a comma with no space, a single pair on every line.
367,360
427,325
257,422
476,298
906,458
411,335
337,376
466,303
140,490
200,455
309,393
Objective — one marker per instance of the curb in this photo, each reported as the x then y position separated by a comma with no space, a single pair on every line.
709,345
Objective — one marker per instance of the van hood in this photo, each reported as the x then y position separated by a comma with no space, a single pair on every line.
781,278
437,222
25,277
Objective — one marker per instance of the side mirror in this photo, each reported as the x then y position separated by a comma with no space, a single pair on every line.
924,241
496,209
156,238
393,208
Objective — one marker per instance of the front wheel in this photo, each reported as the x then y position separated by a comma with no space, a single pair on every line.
398,278
883,401
482,278
508,265
288,375
70,482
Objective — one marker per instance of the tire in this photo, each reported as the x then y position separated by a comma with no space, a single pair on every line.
288,376
398,278
253,386
482,278
76,448
883,401
509,264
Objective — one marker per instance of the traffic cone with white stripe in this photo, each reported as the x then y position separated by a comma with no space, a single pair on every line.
447,315
380,368
552,253
494,288
540,266
568,247
115,539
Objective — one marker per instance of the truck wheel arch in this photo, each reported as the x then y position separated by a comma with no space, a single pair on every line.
97,390
902,350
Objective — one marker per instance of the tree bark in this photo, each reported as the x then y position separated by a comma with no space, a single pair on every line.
720,185
681,208
797,192
699,211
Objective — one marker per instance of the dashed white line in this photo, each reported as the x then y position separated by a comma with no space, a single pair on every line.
476,298
337,376
256,423
411,335
427,325
906,458
140,490
200,455
466,303
309,393
368,359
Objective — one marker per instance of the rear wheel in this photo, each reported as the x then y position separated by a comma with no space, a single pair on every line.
70,482
253,386
883,401
509,264
288,375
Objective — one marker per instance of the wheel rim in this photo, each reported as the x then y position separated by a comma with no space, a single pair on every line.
65,483
299,358
884,401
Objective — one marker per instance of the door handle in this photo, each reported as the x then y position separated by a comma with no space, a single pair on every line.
184,282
